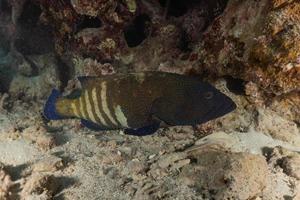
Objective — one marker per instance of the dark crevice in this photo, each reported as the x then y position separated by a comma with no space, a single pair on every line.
235,85
30,15
65,72
4,6
137,32
34,67
32,36
6,76
88,22
64,183
193,160
177,8
216,7
4,46
36,41
193,17
184,42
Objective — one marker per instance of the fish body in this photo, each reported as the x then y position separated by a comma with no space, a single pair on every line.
140,102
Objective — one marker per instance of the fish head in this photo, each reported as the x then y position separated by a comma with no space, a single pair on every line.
206,103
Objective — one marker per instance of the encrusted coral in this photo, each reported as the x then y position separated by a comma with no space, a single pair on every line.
258,41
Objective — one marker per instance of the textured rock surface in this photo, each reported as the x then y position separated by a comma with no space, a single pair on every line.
5,183
291,166
259,42
278,127
222,175
39,186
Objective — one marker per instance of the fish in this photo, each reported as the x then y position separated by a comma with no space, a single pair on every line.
139,103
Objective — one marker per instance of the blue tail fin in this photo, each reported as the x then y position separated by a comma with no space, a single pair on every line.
50,109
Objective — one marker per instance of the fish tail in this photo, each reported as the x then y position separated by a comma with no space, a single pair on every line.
50,107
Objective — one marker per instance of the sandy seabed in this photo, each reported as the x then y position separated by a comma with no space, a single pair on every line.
242,158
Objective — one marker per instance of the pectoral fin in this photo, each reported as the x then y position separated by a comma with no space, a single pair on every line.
91,125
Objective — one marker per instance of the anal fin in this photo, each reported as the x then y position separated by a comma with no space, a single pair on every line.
143,131
91,125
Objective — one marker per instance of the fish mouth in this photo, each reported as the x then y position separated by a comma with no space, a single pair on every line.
220,111
230,106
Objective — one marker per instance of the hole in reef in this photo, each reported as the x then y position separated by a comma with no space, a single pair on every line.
30,15
33,37
4,6
184,42
137,32
88,22
6,76
4,46
216,7
36,40
176,8
64,71
235,85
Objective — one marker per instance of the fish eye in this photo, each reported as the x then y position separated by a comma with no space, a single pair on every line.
208,95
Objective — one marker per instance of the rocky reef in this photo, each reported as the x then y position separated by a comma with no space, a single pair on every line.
249,50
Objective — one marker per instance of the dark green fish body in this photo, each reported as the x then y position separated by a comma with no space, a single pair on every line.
133,101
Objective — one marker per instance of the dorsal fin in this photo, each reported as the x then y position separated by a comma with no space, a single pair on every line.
74,94
84,80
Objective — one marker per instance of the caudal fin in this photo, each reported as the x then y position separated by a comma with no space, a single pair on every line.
50,109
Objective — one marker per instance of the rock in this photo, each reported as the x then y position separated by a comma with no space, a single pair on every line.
39,84
291,166
111,158
279,128
47,164
168,163
4,101
94,8
39,135
39,184
297,189
136,167
288,160
25,69
245,37
220,174
170,159
179,164
127,151
287,106
5,183
42,196
146,191
257,42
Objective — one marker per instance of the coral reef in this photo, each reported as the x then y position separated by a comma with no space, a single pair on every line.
254,41
259,42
